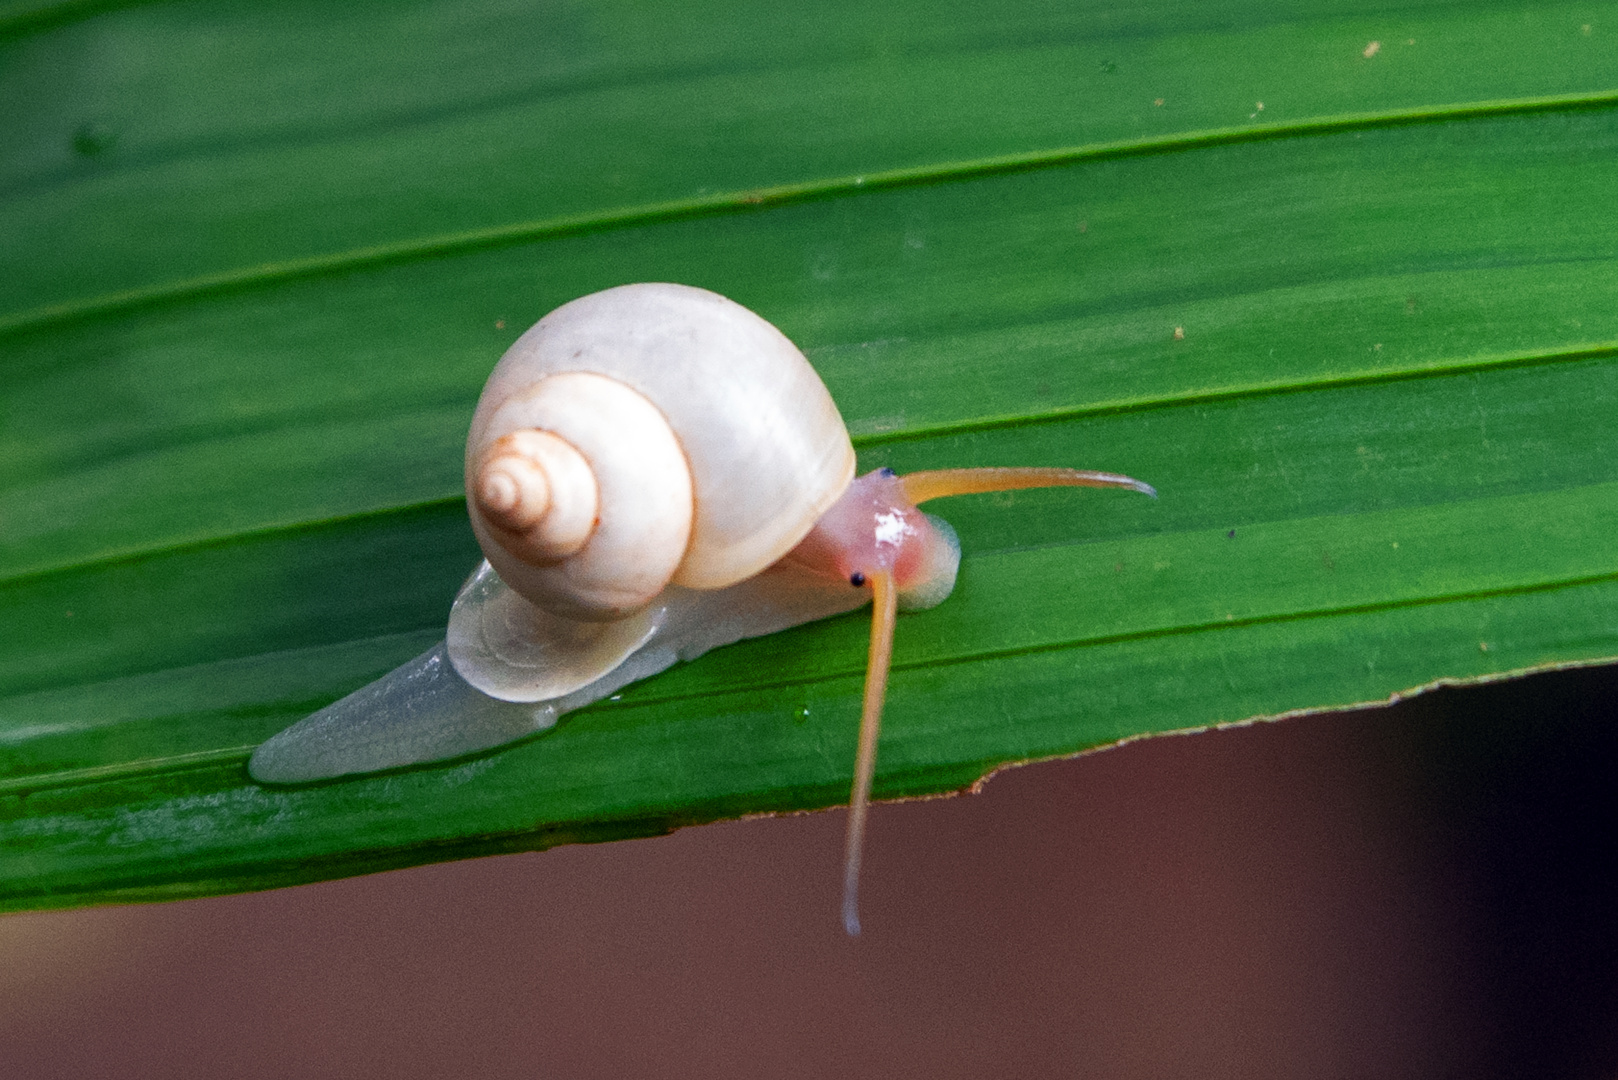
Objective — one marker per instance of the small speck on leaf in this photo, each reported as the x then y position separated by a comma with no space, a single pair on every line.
1158,102
1372,49
93,138
1108,67
1231,535
499,324
1483,646
1179,333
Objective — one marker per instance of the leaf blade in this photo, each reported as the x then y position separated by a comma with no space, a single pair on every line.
220,511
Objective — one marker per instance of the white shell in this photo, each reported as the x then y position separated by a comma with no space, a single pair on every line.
766,447
644,507
538,493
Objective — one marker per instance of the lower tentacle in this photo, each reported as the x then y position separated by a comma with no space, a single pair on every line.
884,613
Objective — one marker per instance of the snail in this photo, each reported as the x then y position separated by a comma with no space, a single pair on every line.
652,471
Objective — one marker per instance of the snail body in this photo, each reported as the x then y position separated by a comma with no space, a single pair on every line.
653,471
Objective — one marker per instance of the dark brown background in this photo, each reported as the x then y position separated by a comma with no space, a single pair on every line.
1422,891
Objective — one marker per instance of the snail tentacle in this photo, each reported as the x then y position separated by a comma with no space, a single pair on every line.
884,607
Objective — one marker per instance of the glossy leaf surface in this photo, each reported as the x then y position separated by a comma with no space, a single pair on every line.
1363,339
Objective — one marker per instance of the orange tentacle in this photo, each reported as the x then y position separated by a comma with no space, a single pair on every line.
937,483
884,613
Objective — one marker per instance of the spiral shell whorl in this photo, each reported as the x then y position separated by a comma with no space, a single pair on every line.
633,472
537,488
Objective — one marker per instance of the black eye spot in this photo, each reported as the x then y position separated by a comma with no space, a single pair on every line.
856,580
885,471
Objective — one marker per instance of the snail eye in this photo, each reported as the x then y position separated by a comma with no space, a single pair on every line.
856,579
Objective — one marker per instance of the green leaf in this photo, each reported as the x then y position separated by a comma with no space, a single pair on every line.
258,259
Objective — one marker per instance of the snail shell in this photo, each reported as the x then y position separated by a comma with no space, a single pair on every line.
646,435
